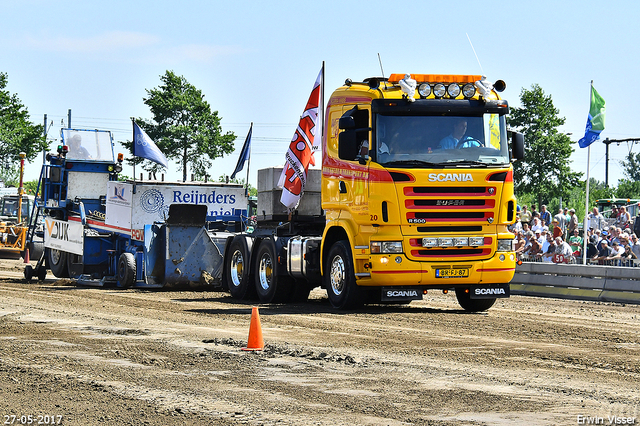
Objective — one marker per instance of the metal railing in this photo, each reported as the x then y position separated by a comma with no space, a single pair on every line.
602,282
577,260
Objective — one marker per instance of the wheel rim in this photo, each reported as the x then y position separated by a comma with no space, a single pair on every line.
337,275
237,266
55,256
265,271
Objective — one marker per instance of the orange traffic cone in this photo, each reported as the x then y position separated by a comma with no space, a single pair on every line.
26,256
255,342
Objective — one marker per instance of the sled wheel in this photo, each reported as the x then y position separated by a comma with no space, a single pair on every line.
42,272
28,273
58,263
126,270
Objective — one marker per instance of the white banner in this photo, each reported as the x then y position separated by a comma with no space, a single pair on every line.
151,200
65,236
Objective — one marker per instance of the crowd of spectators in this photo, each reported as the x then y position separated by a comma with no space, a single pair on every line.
539,236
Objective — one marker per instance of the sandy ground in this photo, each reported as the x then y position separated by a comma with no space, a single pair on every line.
92,356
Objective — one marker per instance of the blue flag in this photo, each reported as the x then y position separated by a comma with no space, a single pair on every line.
144,147
244,154
595,121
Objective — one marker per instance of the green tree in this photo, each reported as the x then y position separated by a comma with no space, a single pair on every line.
17,134
631,166
183,126
252,190
627,188
545,169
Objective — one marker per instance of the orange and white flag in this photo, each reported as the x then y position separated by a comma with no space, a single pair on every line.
300,153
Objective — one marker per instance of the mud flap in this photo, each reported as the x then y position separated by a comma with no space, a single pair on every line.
400,294
491,291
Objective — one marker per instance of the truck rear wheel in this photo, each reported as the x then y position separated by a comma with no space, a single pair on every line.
58,263
271,287
339,278
473,305
126,270
237,270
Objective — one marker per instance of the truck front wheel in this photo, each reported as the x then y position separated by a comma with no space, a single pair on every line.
339,278
473,305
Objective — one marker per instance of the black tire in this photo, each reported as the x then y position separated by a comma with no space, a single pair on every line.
28,273
237,271
126,270
473,305
75,265
42,273
339,278
270,285
58,263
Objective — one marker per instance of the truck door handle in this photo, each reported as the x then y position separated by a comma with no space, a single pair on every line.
342,187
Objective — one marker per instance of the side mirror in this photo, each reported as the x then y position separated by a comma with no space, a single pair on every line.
346,122
517,146
347,145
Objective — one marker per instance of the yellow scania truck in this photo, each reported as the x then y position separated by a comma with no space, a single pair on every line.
415,193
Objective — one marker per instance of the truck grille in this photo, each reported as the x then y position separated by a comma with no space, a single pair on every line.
457,205
442,211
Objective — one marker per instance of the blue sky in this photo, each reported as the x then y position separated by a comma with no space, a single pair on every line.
256,61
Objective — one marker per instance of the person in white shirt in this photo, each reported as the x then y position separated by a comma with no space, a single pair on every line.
548,249
536,224
563,248
596,220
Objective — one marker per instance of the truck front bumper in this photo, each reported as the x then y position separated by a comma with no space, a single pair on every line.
397,270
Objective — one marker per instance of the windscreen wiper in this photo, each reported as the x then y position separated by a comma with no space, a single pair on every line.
468,163
413,163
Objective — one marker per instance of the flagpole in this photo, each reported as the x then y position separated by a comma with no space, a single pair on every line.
249,162
133,150
586,212
586,202
322,105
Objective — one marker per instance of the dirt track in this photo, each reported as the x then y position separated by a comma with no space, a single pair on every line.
131,357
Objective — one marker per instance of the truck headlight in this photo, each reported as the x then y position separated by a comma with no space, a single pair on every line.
445,242
460,241
476,241
468,90
505,245
424,89
386,247
439,90
429,242
453,90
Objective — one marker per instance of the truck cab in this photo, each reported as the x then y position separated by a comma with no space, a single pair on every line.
417,188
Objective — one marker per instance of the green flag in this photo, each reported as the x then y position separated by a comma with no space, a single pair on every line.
595,121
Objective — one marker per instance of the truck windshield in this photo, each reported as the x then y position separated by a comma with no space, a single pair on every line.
419,141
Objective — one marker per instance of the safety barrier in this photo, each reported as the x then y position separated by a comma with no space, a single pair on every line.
581,282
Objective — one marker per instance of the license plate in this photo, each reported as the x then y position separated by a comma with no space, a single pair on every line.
452,273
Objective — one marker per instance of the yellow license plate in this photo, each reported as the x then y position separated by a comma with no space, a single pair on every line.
452,273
